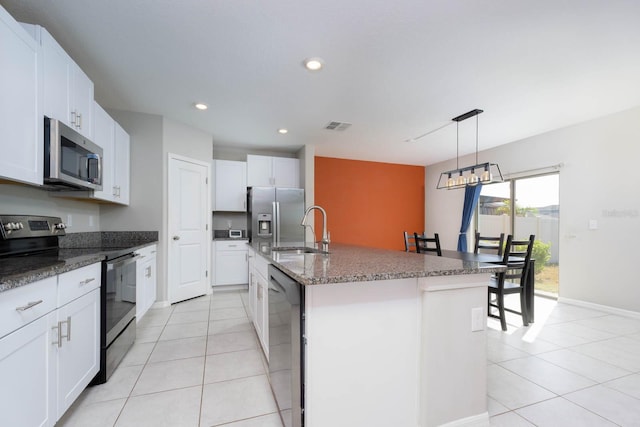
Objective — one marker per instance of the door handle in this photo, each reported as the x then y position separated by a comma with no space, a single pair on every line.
176,237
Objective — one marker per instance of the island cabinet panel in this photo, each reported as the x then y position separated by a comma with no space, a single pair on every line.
397,352
362,353
453,379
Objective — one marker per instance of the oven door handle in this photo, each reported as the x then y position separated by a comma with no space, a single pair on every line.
124,260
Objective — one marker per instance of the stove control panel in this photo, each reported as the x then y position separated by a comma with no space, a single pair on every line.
25,226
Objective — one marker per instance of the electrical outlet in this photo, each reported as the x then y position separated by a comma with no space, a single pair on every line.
69,220
477,319
90,220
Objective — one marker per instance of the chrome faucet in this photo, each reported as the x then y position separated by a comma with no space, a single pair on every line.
325,233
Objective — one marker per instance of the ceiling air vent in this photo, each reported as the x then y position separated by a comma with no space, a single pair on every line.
339,126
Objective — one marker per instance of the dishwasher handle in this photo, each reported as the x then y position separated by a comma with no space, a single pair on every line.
280,282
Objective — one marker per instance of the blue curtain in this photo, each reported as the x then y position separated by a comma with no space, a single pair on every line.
471,196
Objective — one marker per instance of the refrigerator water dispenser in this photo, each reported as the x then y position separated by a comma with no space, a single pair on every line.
264,225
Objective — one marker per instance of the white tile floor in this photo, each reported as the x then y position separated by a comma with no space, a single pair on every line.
572,367
198,363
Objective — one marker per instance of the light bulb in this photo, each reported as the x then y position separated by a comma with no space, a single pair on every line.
450,181
486,175
461,180
473,178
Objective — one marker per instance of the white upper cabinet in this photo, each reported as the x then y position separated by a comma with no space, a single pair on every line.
115,145
267,171
21,120
286,172
103,135
68,92
230,186
122,167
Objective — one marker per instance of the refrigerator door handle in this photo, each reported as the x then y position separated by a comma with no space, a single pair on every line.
276,220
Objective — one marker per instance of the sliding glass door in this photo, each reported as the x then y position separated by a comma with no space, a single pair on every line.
527,206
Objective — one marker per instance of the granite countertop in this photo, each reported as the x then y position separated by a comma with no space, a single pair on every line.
22,270
346,263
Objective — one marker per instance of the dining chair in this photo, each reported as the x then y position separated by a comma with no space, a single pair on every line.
511,281
424,243
409,242
486,244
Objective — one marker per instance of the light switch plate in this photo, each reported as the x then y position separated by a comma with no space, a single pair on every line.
593,224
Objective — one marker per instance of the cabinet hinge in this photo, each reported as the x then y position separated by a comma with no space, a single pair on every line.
206,180
206,227
206,273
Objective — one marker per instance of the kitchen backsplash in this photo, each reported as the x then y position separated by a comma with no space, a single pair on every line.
229,220
107,239
79,216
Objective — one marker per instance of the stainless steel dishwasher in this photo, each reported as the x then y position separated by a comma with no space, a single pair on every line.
286,351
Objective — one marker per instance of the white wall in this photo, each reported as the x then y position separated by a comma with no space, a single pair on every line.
144,212
307,155
598,181
25,200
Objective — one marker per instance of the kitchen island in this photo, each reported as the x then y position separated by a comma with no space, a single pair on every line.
392,338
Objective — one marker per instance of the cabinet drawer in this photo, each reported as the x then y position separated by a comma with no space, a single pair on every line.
147,251
25,304
76,283
231,245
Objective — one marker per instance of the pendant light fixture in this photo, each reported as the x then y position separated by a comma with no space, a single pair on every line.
462,177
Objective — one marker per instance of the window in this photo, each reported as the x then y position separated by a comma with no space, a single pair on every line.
537,211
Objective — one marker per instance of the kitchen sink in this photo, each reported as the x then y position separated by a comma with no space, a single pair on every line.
298,250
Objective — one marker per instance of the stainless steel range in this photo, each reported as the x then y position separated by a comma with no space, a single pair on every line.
118,310
27,234
37,238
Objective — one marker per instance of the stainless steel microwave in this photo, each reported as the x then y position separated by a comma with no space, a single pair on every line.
71,161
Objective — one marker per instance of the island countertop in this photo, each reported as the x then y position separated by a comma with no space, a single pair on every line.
346,263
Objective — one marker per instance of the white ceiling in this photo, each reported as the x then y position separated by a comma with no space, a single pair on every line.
394,69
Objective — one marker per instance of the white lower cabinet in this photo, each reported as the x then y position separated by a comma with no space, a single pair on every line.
77,344
51,352
27,369
231,260
76,335
145,280
259,299
251,255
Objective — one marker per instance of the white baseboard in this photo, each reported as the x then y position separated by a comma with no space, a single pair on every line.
225,288
161,304
600,307
480,420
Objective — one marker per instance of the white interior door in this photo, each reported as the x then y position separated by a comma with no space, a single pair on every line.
188,228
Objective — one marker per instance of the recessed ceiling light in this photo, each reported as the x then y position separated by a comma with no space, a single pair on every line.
283,131
200,106
313,64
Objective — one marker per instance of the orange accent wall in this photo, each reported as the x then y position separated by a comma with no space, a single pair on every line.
369,203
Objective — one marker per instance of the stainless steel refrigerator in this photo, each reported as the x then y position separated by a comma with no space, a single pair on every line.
274,214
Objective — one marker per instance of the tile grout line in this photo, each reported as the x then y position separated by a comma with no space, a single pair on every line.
204,367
